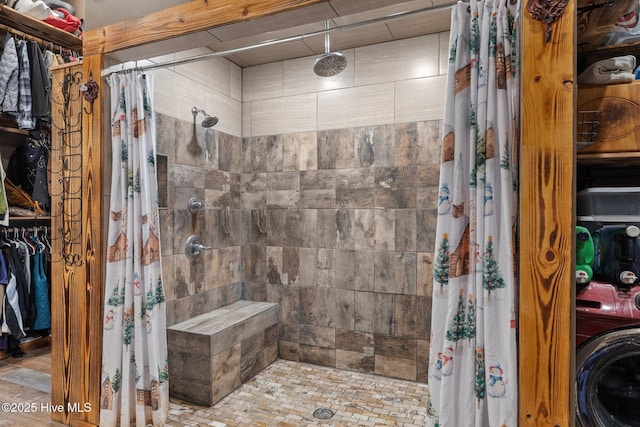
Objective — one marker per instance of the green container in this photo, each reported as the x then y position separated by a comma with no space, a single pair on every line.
584,256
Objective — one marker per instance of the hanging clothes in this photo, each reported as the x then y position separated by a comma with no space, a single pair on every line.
4,203
24,117
40,83
12,321
23,298
39,279
9,69
27,168
4,281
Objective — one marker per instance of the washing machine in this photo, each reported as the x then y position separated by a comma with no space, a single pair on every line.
608,328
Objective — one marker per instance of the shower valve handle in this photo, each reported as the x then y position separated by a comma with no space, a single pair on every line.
195,205
194,247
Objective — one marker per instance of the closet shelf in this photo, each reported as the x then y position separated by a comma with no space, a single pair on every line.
619,159
34,27
12,137
21,220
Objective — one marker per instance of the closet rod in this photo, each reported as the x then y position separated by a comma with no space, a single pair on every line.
43,43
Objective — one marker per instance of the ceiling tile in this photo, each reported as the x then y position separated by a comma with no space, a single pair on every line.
353,37
290,32
383,11
348,7
268,54
420,24
276,22
305,21
176,44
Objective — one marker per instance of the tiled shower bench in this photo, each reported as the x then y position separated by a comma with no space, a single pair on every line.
212,354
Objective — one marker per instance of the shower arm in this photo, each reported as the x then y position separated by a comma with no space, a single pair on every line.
327,43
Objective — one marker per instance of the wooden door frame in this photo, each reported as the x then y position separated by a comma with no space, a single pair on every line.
547,158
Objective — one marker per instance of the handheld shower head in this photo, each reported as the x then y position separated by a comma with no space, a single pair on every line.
208,121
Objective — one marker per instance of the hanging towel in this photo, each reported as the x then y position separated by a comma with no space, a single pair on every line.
619,69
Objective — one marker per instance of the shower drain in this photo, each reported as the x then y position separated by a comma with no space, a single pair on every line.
322,413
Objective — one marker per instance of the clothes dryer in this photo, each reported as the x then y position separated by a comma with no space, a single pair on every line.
608,332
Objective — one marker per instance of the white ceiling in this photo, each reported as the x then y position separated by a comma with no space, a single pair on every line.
304,21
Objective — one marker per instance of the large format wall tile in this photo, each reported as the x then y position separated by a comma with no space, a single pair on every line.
284,115
262,82
212,73
357,106
419,99
397,60
226,109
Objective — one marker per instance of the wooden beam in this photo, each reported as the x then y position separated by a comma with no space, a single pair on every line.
547,225
191,17
77,270
93,244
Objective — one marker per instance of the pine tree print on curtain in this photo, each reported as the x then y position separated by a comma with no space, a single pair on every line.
473,359
134,389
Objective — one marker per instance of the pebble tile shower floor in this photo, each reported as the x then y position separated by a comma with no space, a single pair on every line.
286,394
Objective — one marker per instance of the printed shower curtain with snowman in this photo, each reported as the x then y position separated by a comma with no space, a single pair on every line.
473,359
134,384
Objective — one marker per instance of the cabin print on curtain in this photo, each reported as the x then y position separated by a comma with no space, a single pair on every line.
473,360
135,376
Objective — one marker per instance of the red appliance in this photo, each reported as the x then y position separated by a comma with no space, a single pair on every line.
601,307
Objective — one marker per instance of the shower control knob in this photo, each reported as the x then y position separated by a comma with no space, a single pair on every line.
195,205
194,247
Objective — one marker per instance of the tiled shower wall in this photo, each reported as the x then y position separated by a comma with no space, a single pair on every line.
204,164
326,205
339,193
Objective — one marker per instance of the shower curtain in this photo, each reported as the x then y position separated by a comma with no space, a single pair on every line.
134,384
473,355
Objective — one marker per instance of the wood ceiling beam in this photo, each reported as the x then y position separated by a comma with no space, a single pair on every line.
191,17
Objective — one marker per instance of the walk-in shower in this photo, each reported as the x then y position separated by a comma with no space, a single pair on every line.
208,121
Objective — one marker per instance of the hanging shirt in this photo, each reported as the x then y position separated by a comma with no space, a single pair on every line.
12,314
9,70
39,279
24,117
40,83
4,205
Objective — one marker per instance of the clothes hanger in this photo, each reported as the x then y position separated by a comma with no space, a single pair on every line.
32,247
45,237
36,239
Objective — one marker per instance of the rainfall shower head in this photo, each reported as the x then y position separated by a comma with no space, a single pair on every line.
208,121
331,63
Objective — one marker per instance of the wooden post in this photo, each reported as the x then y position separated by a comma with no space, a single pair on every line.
547,224
76,295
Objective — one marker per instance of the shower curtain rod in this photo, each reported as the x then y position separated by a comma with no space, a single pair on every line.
133,65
